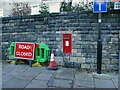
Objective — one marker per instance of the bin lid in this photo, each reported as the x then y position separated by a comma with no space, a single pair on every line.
12,44
42,45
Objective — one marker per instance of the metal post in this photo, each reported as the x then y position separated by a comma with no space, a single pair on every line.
119,63
119,71
99,47
30,63
16,61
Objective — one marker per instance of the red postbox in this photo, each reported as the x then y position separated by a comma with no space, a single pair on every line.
67,43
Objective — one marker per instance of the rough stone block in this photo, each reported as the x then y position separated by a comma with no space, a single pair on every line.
85,66
109,67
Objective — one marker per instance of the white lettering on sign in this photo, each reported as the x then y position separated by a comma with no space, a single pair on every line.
99,6
117,5
24,47
67,43
23,53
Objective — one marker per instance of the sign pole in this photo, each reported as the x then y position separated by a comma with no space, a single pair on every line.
99,6
99,46
119,64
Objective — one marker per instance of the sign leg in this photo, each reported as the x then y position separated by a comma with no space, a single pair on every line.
119,63
99,47
99,57
16,61
30,63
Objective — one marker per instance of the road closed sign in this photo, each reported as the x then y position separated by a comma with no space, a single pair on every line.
24,50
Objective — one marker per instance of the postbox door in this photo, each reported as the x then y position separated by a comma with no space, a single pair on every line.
67,44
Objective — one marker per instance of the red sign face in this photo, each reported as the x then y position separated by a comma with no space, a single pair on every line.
67,43
24,50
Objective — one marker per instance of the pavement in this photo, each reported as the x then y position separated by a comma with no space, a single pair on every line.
23,76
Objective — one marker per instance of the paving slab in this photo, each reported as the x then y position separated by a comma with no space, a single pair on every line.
43,76
66,73
6,68
105,89
116,85
54,88
83,84
104,83
16,83
101,76
6,65
51,88
14,68
6,77
33,70
46,71
29,74
114,78
115,81
84,76
16,71
37,84
26,77
61,83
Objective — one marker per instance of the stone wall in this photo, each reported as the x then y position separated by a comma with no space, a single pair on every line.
84,29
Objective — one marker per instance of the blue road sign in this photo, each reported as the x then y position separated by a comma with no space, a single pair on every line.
99,7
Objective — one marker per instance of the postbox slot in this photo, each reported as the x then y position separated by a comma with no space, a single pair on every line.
66,38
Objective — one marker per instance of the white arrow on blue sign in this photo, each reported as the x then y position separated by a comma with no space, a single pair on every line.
99,6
